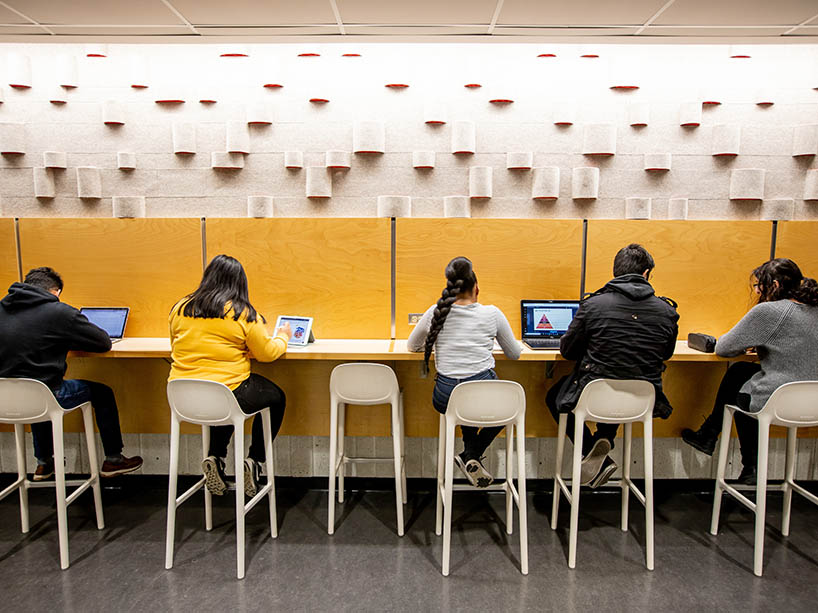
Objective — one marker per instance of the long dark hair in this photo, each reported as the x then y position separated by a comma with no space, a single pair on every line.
223,282
792,284
460,278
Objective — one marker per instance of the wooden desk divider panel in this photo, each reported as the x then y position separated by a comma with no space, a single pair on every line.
334,270
8,254
705,266
514,259
798,240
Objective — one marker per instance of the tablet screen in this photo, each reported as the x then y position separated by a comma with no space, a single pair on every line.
300,327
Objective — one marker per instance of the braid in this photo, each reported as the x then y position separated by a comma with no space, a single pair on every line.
444,305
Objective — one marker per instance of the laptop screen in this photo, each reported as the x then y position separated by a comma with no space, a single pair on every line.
111,319
547,318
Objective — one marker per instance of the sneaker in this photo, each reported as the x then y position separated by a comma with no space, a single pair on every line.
592,463
213,470
479,475
461,464
605,472
44,471
125,465
748,475
252,471
700,440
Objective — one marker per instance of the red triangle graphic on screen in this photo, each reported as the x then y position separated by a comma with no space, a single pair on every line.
544,324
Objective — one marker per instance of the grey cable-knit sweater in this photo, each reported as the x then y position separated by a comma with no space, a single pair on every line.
785,335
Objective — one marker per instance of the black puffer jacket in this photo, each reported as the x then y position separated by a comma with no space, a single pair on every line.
622,331
37,331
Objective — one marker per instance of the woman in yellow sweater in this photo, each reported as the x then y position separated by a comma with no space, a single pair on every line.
213,333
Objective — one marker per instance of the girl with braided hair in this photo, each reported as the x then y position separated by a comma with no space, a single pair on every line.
462,332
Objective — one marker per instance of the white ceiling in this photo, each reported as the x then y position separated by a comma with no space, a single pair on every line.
781,20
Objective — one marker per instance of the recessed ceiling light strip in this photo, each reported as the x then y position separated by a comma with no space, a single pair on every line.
496,16
180,16
654,17
337,14
26,17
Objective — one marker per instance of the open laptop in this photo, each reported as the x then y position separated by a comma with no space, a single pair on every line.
110,319
545,321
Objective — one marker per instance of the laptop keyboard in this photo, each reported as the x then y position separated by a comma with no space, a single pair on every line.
543,343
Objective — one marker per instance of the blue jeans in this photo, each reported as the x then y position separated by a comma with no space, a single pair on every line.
74,392
475,440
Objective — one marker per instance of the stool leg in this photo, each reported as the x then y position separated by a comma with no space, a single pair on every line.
88,423
789,479
403,448
509,477
447,497
555,504
208,497
397,435
441,455
761,495
333,462
173,478
59,473
648,433
724,447
342,469
626,474
19,443
579,422
238,456
270,466
521,490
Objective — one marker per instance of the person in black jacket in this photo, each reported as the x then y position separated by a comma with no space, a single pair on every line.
622,331
36,333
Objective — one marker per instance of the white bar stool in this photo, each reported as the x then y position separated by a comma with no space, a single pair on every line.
793,406
483,404
208,403
609,401
363,383
26,401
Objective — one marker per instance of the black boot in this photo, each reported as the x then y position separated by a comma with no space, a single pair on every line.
748,475
702,440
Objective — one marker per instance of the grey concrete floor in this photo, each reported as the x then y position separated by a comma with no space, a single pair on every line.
365,566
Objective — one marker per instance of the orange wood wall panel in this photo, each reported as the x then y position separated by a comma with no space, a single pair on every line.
705,266
514,259
334,270
8,254
798,240
145,264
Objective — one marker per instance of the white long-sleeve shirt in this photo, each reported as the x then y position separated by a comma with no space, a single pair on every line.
463,347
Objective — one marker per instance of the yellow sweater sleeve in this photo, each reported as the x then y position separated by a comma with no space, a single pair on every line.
265,348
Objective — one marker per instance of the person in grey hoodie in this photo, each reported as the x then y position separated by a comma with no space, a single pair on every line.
783,330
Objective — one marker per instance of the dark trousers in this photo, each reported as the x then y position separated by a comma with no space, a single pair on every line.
475,440
729,393
74,392
607,431
253,394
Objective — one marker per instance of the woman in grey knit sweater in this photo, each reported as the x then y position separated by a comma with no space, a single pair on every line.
783,330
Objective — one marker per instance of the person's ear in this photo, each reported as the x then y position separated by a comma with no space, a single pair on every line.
55,291
646,274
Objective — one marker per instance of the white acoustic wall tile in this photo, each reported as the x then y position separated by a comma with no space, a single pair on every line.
2,95
12,138
712,95
170,95
585,183
726,139
564,114
337,159
501,95
238,136
55,159
19,70
394,206
463,137
747,184
207,96
259,206
89,182
690,114
657,161
624,75
126,160
226,160
368,137
293,159
65,69
638,114
128,206
456,206
778,209
423,159
599,139
677,208
764,96
743,52
96,50
480,182
545,183
318,184
435,113
523,160
234,51
637,208
259,113
58,95
184,137
43,183
805,140
811,184
113,113
140,74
